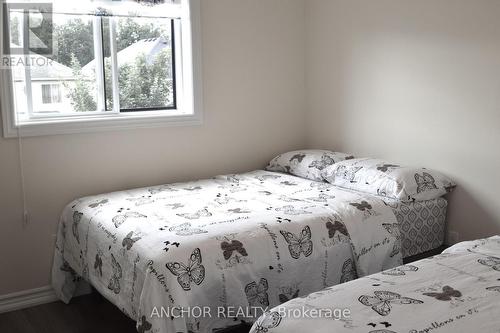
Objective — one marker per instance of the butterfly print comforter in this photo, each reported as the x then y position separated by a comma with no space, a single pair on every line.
247,241
456,291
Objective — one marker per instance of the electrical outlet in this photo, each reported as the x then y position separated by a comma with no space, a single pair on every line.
452,237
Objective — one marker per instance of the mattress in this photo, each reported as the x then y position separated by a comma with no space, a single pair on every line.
456,291
422,224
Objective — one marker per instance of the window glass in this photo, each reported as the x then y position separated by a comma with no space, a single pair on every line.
145,64
67,68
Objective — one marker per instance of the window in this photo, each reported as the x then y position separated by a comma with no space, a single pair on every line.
51,93
84,69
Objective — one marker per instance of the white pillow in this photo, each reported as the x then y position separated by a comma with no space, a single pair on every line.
378,177
307,163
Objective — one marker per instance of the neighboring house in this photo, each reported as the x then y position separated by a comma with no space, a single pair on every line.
149,47
49,85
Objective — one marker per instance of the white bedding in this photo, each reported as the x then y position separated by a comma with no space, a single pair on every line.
254,239
457,291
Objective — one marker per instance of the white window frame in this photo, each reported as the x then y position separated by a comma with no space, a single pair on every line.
188,83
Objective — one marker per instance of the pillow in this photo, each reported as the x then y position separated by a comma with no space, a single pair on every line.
306,163
378,177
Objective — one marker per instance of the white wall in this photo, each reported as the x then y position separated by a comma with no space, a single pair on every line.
253,81
415,82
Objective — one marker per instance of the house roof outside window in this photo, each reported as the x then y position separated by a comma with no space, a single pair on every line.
150,47
43,69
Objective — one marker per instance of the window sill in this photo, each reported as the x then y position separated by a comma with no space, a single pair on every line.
89,124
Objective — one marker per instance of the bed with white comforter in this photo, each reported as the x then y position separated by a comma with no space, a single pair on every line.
251,240
456,291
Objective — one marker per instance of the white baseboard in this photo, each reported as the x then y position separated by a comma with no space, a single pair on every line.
33,297
27,298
